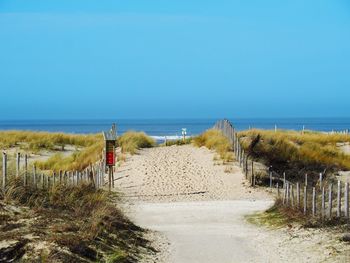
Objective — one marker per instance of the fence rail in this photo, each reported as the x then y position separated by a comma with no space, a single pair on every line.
317,199
93,174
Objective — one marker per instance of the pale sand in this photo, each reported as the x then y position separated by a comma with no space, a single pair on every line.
197,211
185,173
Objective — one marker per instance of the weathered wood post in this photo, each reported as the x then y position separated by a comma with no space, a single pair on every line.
253,177
60,176
298,195
287,200
25,175
323,203
4,171
321,175
339,199
292,195
284,179
18,163
330,201
34,176
313,201
306,179
54,178
346,200
305,200
43,181
270,179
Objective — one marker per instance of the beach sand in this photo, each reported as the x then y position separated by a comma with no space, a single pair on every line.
196,212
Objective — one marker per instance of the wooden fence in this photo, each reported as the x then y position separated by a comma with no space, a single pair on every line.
93,174
319,198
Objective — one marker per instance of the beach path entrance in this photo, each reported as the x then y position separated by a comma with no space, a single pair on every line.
197,208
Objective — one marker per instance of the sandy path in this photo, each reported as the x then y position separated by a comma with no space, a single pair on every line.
185,173
199,209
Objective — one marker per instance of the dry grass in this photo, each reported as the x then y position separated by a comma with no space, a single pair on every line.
79,219
300,153
132,141
215,140
178,142
76,161
36,141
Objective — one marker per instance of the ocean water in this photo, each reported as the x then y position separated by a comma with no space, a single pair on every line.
158,128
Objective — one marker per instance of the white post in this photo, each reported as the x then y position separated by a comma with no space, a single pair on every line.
346,200
323,201
313,201
4,170
305,199
339,199
321,181
18,163
298,195
330,201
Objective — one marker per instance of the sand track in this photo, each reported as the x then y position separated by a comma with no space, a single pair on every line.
197,212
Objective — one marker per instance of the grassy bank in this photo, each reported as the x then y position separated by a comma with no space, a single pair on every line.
36,141
215,140
297,153
75,224
132,141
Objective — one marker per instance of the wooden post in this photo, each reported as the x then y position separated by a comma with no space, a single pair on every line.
298,195
284,195
253,178
323,203
313,201
76,178
284,179
109,178
18,163
270,179
305,200
330,201
43,181
48,182
25,169
34,176
320,181
60,176
4,171
339,199
292,195
346,200
54,178
306,179
287,200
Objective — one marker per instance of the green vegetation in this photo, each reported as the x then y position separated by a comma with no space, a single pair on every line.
132,141
179,142
298,153
36,141
215,140
74,223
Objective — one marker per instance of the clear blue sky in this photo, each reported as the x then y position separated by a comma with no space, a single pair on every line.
158,59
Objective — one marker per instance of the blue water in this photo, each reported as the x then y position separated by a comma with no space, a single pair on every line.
172,127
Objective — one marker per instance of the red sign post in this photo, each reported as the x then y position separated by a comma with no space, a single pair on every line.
110,138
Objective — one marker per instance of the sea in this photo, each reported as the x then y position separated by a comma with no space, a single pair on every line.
172,128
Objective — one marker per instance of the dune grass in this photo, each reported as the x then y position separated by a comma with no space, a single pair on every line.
79,219
178,142
215,140
308,152
74,162
132,141
36,141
